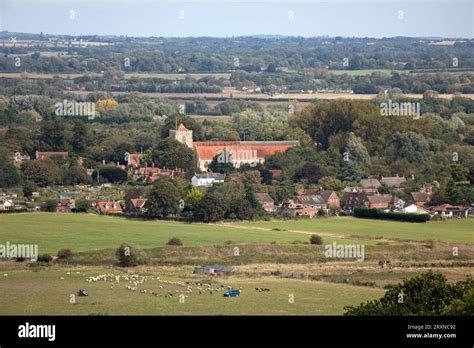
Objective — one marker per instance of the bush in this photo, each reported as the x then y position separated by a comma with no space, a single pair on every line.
372,213
315,239
64,254
426,294
130,256
229,242
44,258
174,241
49,206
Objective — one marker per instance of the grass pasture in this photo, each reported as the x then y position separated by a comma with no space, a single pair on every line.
166,76
84,232
452,231
45,293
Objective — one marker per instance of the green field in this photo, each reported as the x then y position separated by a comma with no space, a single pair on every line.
44,292
165,76
453,231
365,72
84,232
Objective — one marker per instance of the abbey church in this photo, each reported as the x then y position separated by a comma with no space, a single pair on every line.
243,152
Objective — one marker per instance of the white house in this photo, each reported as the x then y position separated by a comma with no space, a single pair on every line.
207,179
414,209
6,204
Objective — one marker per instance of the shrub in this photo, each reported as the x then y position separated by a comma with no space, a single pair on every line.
49,205
315,239
174,241
129,256
44,258
426,294
64,254
372,213
229,242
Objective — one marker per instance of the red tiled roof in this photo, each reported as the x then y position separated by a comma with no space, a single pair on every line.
134,158
138,202
109,207
182,128
276,173
207,150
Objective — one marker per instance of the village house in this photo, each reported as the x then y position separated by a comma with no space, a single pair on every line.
65,205
304,205
418,198
413,209
328,198
109,208
133,159
276,174
268,204
448,210
370,185
393,181
207,179
18,159
136,207
151,174
352,200
6,204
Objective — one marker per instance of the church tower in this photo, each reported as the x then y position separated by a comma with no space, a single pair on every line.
183,135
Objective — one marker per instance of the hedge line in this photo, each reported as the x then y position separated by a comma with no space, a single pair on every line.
372,213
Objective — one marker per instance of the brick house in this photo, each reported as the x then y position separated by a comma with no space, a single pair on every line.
267,202
136,206
65,205
418,198
304,205
109,208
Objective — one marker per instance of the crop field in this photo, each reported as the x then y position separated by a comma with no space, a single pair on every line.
49,292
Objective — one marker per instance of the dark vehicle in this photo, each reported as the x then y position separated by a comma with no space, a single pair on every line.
83,292
232,293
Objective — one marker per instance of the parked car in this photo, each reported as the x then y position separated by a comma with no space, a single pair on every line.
232,293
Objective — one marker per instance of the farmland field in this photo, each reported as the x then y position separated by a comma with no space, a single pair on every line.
460,231
269,258
44,292
127,75
81,232
365,72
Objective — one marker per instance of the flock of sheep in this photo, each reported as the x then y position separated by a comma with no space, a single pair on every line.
180,288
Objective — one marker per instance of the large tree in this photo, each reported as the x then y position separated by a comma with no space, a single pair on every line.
163,199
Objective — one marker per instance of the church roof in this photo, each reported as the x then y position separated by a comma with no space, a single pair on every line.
207,150
182,128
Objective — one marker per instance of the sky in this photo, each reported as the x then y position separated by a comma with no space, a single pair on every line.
225,18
